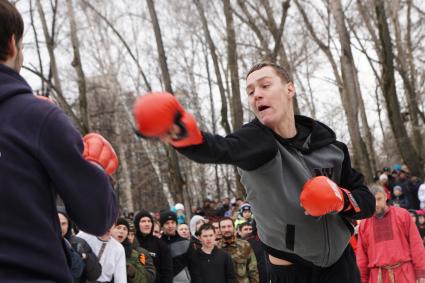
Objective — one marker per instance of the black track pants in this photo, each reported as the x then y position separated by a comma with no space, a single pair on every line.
343,271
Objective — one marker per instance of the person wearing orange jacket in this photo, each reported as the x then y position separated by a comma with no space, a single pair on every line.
298,177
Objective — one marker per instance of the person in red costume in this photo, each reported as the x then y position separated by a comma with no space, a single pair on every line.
298,177
389,247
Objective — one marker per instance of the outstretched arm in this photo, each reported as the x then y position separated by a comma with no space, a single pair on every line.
160,115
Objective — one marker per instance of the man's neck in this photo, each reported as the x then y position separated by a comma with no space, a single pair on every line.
382,214
207,250
287,128
10,63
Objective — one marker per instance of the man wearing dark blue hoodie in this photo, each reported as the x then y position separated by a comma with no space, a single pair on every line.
41,156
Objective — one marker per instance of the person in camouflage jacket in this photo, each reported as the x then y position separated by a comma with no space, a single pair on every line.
240,251
140,266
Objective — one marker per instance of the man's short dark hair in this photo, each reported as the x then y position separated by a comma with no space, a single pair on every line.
11,23
204,227
243,224
280,71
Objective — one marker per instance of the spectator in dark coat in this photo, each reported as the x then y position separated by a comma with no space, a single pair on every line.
143,223
259,252
92,268
180,248
211,264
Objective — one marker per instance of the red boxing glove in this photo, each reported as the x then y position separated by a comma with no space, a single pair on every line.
189,132
99,151
320,196
156,113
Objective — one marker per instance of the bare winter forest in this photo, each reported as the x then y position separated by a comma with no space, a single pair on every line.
358,66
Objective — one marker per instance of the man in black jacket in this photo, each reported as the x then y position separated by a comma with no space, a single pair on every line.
143,223
180,248
298,177
209,263
92,268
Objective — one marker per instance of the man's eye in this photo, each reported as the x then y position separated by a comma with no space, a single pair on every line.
266,86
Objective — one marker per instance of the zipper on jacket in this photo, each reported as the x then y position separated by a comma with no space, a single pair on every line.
301,158
327,241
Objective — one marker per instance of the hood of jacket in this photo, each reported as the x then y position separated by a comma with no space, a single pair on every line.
12,84
311,134
140,215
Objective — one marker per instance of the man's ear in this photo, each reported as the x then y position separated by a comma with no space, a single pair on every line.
291,89
13,46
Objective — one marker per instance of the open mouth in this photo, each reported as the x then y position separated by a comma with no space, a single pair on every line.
262,108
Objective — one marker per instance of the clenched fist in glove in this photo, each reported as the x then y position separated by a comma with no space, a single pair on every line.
320,195
99,151
160,115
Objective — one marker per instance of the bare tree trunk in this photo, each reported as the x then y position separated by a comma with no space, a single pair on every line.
37,45
412,67
366,14
407,151
353,128
160,47
211,46
404,67
151,190
177,183
76,63
232,55
237,111
351,90
194,103
213,119
50,48
381,123
366,130
125,183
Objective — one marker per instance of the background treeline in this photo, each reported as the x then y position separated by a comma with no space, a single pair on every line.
358,66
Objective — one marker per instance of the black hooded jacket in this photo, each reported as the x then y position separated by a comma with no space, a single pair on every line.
254,145
158,250
260,153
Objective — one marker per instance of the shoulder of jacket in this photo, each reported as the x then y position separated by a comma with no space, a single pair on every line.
242,242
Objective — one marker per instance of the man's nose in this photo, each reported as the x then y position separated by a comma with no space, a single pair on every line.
258,94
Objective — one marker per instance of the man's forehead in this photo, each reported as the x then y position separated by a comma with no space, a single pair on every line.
261,73
380,195
226,221
267,70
